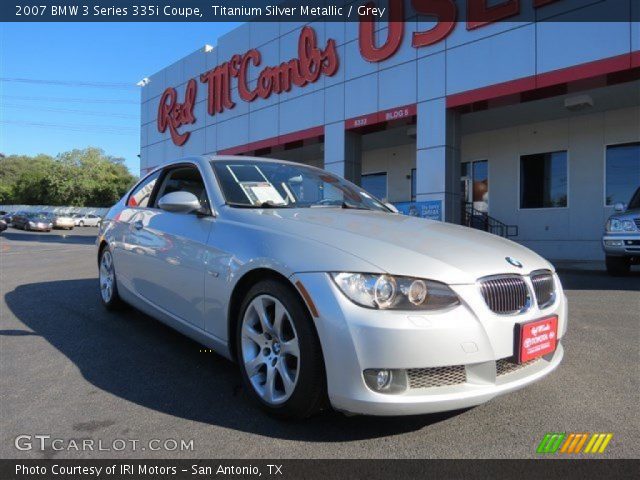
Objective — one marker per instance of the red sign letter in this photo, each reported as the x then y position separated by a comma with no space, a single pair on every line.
367,42
173,114
480,14
445,11
218,80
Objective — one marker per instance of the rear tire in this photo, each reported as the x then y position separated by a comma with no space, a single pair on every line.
276,338
81,224
107,281
618,266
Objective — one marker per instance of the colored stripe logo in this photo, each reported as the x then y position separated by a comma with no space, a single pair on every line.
574,443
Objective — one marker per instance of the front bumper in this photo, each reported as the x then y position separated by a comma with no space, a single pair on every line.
469,337
40,227
64,224
621,244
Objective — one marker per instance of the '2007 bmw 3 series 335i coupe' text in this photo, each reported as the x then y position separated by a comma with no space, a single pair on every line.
324,295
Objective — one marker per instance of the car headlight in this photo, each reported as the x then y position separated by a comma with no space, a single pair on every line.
617,225
389,292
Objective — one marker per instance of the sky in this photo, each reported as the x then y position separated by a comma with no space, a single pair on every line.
42,116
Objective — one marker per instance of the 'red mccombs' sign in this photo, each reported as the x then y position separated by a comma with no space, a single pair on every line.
311,64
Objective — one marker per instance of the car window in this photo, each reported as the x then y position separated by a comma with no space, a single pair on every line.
256,184
184,179
142,193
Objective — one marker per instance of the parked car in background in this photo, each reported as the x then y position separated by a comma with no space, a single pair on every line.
621,239
3,225
33,221
321,292
86,220
66,222
7,217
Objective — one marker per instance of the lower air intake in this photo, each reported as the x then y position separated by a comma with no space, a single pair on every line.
504,366
436,377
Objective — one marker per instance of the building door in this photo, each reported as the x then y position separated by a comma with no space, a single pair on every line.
474,184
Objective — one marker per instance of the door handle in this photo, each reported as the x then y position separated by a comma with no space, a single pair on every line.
138,225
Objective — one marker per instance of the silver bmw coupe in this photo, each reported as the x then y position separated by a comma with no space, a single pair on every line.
324,295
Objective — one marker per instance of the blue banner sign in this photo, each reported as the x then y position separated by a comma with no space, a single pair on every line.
431,209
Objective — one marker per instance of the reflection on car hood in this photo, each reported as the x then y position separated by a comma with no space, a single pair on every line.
404,245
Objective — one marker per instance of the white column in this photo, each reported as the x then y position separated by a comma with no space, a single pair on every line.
437,161
342,152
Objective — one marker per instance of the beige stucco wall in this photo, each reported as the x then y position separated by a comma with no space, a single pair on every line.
572,232
397,162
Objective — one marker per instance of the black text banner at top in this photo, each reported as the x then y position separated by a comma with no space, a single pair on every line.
431,13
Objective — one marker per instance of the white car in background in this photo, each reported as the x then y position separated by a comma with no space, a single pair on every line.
320,292
86,220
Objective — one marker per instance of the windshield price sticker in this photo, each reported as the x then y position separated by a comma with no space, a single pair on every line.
262,192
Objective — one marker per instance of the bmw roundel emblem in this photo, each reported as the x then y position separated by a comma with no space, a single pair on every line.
514,262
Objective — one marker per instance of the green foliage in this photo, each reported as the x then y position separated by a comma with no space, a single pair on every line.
79,178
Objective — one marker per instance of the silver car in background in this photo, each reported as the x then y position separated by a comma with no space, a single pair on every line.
324,295
86,220
65,222
621,239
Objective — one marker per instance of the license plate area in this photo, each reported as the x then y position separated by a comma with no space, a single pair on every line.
535,338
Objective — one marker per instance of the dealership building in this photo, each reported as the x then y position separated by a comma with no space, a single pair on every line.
527,129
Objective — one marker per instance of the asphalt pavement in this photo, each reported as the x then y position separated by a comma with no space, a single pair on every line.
73,371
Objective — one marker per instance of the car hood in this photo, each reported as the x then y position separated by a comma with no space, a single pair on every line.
403,245
627,214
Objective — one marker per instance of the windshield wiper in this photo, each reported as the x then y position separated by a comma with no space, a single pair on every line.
353,207
268,204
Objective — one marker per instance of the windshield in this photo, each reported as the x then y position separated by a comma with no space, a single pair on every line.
635,201
256,184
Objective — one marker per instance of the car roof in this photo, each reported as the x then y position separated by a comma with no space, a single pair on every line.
225,158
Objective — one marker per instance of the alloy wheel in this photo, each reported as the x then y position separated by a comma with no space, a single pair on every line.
107,276
270,349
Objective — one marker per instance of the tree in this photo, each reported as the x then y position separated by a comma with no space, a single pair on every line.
82,178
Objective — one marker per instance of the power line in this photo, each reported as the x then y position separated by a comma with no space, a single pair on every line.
72,83
70,110
71,100
102,129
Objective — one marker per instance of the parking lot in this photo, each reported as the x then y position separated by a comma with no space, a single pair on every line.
71,370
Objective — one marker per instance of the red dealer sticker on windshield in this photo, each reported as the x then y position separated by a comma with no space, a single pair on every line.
536,338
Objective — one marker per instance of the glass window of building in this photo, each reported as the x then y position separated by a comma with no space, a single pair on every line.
375,184
543,180
622,172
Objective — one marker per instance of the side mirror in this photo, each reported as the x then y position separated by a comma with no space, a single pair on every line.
180,202
391,207
619,207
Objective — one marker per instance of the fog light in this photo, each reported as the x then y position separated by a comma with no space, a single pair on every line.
378,379
382,379
614,243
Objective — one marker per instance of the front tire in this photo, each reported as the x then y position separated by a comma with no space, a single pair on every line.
81,224
107,277
617,266
279,352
